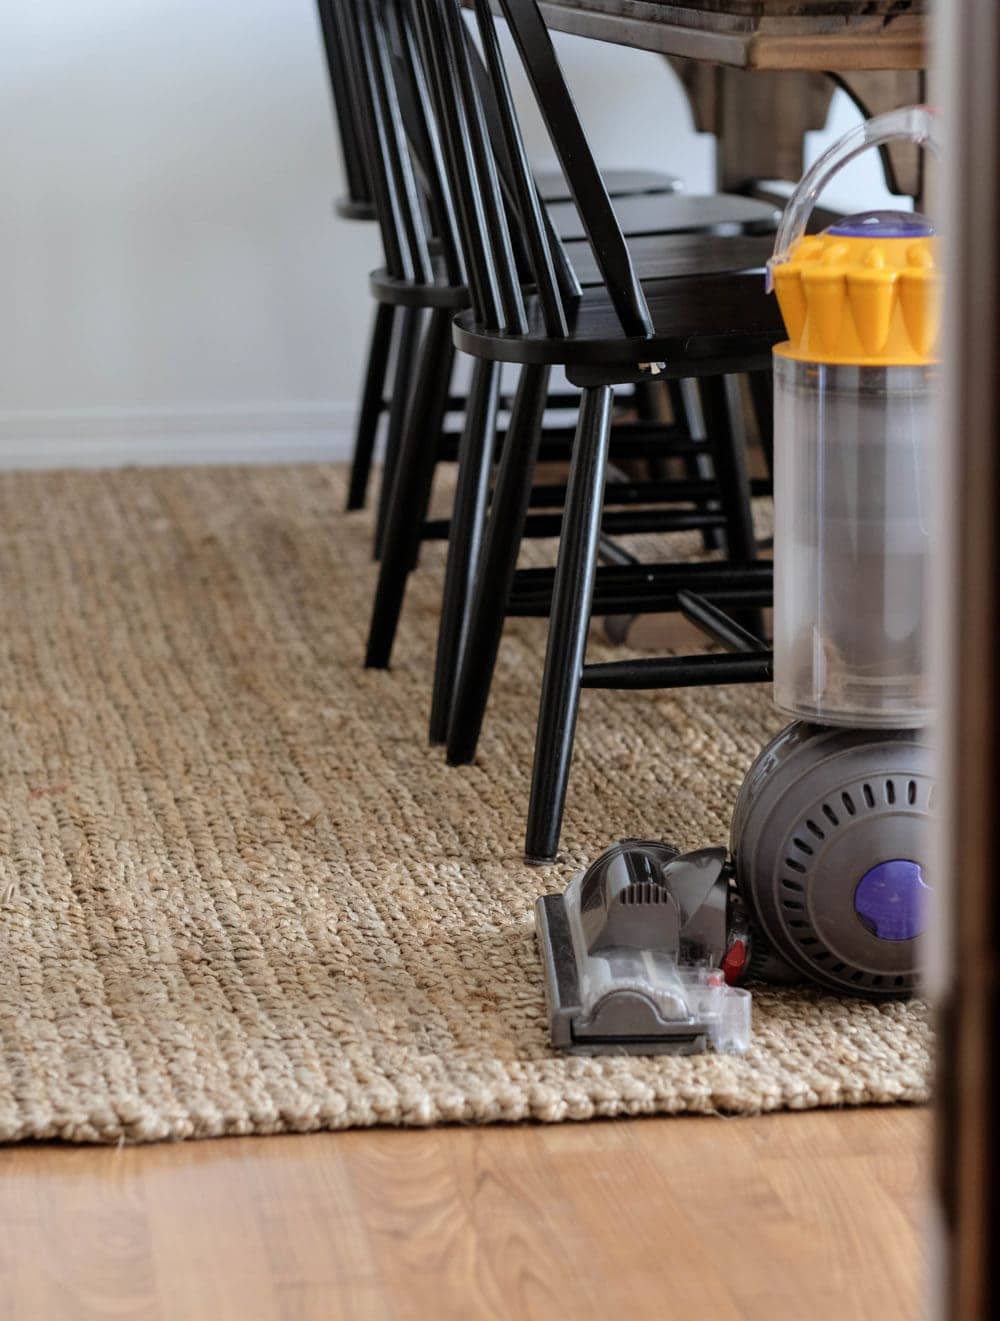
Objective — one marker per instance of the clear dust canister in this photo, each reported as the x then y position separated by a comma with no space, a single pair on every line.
853,464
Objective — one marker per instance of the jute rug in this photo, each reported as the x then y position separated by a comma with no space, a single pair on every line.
239,892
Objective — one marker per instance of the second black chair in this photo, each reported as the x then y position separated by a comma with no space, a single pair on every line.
393,62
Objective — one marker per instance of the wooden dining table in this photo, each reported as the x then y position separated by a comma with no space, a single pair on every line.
760,73
758,34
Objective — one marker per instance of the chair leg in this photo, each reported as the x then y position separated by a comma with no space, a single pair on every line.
468,517
412,480
762,395
645,396
723,409
572,594
372,402
407,349
688,411
497,562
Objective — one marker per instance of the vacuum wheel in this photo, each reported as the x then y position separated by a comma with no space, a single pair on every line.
830,838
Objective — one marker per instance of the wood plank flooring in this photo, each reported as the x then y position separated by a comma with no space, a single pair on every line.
782,1218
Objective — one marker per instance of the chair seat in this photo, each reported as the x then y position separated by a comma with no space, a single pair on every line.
552,188
552,185
386,288
663,256
676,213
658,257
706,324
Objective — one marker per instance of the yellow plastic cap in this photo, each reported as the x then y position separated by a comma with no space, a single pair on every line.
860,301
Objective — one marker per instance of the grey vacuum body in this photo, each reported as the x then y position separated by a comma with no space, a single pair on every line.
825,880
829,842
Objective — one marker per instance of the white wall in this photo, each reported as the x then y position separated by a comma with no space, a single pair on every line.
172,282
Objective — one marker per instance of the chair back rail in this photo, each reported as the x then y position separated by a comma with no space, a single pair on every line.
407,215
394,190
363,95
447,157
580,170
485,141
541,250
353,151
425,138
568,282
498,221
494,280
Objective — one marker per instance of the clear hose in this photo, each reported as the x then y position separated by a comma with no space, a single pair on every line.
919,124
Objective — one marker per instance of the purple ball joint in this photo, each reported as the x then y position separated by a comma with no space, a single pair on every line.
891,900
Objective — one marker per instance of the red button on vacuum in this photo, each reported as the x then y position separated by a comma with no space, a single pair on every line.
735,961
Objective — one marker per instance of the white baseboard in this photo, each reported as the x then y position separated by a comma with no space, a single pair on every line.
114,438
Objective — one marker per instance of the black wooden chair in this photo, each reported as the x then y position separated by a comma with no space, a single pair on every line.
708,327
445,183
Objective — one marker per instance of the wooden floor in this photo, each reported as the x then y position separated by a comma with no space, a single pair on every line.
784,1218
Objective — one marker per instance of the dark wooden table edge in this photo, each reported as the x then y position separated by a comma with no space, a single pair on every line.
772,44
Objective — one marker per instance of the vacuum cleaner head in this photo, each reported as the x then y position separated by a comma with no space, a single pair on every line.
632,953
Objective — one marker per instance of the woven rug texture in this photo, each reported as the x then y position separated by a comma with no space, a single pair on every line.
240,894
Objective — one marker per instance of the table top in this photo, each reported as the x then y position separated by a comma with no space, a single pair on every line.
842,35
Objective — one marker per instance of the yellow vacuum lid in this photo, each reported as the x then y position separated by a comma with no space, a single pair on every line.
864,292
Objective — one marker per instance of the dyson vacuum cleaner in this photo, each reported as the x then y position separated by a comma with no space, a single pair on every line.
826,873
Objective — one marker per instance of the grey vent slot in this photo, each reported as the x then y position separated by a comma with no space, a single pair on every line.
646,892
